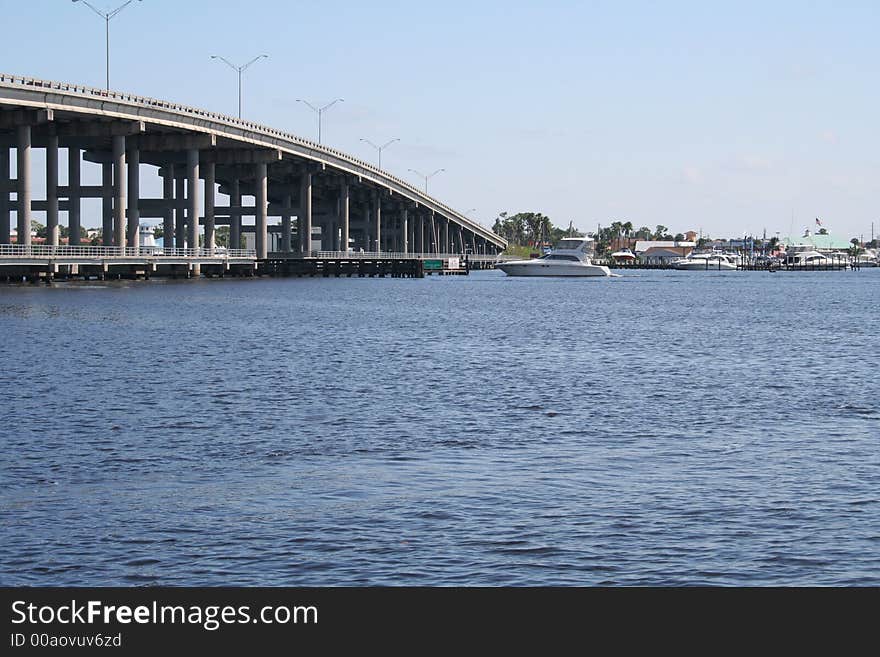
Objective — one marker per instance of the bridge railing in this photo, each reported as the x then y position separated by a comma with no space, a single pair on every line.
395,255
93,92
67,251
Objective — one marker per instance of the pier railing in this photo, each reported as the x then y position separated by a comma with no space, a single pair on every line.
67,251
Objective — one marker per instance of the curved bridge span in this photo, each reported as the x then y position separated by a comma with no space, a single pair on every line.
319,199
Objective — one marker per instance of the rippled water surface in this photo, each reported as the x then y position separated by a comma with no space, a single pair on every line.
662,428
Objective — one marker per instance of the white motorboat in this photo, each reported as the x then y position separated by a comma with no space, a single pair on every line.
705,261
624,256
805,255
571,257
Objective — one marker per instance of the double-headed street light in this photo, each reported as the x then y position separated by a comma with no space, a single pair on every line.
319,111
239,69
107,16
427,178
379,148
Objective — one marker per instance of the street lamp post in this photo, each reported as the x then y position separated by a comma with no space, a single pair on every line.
239,69
380,148
107,16
427,178
319,111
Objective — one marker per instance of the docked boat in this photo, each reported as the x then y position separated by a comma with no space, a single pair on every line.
624,256
571,257
805,255
706,261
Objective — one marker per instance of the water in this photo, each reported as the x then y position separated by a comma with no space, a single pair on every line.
661,428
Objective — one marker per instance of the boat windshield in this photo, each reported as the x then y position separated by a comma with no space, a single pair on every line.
557,256
570,244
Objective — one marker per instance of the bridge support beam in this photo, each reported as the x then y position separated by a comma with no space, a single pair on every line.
261,218
74,206
134,193
305,216
52,229
179,218
119,191
23,154
367,224
168,212
210,231
193,204
286,229
345,203
106,204
377,209
404,229
235,220
5,228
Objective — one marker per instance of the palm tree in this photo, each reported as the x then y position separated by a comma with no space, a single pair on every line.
627,229
518,228
660,232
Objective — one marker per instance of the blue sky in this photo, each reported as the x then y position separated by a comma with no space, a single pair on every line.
726,116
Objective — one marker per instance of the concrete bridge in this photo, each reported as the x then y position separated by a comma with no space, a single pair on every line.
321,199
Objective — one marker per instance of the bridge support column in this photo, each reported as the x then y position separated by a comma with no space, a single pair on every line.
420,238
345,202
107,204
210,231
434,245
52,229
377,207
445,242
73,199
286,229
119,191
23,154
404,229
460,240
261,217
193,204
328,230
168,212
179,218
5,227
305,218
368,225
235,219
134,194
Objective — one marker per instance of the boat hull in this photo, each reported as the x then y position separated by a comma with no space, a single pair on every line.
701,266
536,268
